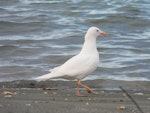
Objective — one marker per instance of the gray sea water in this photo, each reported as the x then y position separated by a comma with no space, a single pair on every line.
37,35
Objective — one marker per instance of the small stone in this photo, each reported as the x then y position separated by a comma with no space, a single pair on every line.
9,93
87,103
121,100
138,94
8,96
45,92
102,91
120,107
124,95
55,93
28,104
66,99
24,93
50,89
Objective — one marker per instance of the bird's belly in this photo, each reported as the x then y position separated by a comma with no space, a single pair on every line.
86,72
88,68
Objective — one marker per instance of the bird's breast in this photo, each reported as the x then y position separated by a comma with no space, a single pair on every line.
91,63
88,66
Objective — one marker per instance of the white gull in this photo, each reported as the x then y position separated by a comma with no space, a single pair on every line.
80,65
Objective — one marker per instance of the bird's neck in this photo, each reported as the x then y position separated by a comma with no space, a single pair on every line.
89,45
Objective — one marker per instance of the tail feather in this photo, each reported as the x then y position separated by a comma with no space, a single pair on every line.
44,77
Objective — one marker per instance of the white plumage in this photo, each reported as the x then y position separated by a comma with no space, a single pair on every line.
80,65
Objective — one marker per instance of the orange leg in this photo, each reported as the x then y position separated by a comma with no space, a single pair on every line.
89,90
78,91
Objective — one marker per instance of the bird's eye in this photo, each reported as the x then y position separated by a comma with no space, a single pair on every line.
97,30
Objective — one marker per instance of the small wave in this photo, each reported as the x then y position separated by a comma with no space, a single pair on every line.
127,78
116,77
15,23
41,1
3,47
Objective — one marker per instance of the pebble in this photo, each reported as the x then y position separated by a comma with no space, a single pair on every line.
66,99
120,107
138,94
87,103
45,92
9,93
8,96
28,104
55,93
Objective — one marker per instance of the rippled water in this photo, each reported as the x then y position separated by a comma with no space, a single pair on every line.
36,35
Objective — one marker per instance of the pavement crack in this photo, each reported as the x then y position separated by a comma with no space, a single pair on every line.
130,97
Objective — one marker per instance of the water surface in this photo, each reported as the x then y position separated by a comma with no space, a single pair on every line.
37,35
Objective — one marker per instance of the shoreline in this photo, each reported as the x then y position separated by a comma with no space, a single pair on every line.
59,97
105,84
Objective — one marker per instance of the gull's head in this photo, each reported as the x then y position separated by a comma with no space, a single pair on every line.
95,32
